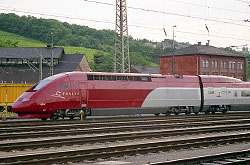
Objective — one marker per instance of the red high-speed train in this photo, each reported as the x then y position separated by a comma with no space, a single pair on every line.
93,93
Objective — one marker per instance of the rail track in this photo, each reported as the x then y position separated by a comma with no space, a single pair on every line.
121,150
237,157
21,123
104,138
81,140
113,127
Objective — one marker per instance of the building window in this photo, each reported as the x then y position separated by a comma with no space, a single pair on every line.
207,63
221,64
240,65
225,64
204,63
231,65
214,64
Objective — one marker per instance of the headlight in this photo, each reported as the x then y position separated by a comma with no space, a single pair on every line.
26,99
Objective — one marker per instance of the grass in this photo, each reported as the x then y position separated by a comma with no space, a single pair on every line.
22,41
81,50
9,114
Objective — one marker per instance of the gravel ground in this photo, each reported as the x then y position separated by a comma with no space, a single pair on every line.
171,155
142,159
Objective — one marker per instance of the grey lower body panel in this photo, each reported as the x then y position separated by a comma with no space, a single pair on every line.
130,111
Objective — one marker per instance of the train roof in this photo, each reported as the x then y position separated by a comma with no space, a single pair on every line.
218,79
204,78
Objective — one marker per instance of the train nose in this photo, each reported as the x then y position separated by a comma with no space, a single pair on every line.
21,105
16,107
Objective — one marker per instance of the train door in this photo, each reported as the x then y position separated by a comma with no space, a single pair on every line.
83,94
236,96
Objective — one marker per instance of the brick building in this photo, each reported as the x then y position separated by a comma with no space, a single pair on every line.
204,60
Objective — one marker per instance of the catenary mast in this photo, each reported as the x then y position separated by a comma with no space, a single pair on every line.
121,57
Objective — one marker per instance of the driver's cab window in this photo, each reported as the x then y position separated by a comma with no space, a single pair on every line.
64,86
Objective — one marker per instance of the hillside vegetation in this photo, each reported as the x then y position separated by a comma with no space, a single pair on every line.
75,39
14,40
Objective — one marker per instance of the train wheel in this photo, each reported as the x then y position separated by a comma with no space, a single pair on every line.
187,113
176,113
44,119
157,114
224,111
196,113
54,116
168,113
206,112
72,117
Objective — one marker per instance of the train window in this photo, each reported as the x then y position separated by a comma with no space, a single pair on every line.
210,90
41,84
124,78
102,77
90,77
119,77
96,77
108,78
145,79
131,78
113,78
245,93
137,78
64,86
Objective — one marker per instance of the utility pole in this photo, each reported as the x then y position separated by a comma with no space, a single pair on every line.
40,64
52,58
173,58
121,57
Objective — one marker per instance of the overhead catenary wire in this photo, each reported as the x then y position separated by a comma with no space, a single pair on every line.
109,22
171,13
139,26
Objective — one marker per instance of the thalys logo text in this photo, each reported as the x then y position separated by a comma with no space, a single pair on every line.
61,95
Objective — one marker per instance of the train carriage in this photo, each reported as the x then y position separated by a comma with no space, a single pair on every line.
94,93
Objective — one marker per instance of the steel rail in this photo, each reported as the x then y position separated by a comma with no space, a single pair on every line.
21,123
96,125
116,128
34,144
101,124
236,157
121,150
107,122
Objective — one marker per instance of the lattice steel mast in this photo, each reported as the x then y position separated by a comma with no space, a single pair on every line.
121,57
